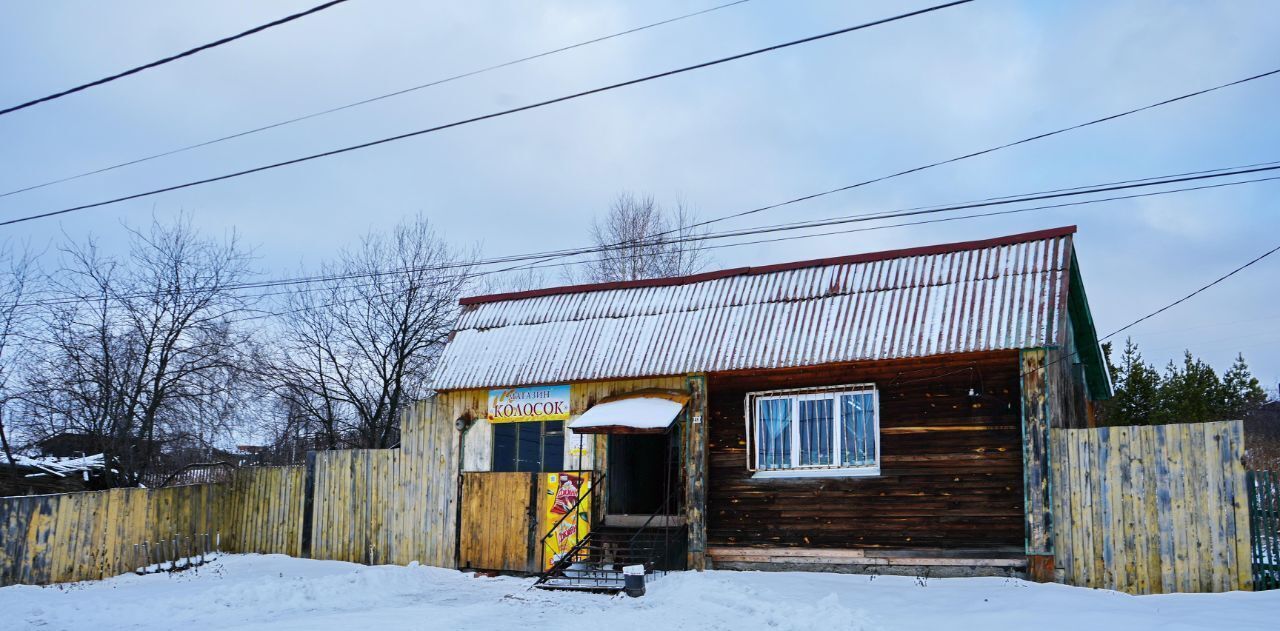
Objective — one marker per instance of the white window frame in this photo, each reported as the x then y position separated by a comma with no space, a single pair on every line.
751,407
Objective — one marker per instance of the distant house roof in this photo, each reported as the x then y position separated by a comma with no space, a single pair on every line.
996,294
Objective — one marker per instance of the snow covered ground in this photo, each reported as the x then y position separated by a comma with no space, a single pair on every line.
278,592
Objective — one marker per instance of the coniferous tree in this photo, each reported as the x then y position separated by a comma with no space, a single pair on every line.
1187,392
1137,397
1191,393
1241,391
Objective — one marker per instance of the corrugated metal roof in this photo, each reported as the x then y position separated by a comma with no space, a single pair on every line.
996,294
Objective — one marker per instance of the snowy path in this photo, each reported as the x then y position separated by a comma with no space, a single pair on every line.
277,592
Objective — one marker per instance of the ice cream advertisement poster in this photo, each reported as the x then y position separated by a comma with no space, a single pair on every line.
563,491
538,403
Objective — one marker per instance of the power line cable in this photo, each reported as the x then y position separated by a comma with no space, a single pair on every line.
1193,294
1126,327
999,213
171,58
542,257
859,217
988,150
808,197
995,148
872,216
374,99
497,114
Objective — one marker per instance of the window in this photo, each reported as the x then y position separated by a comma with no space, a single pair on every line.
814,432
534,446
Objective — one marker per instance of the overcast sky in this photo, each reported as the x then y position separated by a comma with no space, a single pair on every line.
723,139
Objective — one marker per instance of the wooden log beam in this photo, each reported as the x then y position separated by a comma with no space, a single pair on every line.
1040,568
1035,451
830,556
695,462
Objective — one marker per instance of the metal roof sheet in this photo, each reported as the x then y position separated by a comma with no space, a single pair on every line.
996,294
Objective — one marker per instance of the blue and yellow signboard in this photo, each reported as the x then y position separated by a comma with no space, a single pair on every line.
539,403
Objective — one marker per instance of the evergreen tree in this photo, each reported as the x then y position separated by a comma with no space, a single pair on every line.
1137,398
1187,392
1191,393
1241,392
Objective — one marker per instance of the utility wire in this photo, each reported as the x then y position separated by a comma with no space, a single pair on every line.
1193,294
161,62
366,101
1063,358
497,114
804,198
1100,188
992,149
541,258
860,217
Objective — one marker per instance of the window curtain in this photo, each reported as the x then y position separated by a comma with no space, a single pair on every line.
816,431
857,423
775,434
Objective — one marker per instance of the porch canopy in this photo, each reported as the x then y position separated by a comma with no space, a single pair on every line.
641,412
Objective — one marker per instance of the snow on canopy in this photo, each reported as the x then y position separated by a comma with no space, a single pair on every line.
1005,293
640,413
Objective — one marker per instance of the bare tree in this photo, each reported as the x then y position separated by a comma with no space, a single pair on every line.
358,349
640,239
519,278
131,343
17,269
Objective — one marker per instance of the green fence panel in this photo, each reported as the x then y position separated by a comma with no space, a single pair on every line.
1264,528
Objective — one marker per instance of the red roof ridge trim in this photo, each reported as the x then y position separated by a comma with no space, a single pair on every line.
866,257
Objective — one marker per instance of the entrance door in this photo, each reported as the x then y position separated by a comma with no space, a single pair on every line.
497,516
642,473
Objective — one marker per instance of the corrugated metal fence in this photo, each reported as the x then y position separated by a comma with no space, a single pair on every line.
1155,509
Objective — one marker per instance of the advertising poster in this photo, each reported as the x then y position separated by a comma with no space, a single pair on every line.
563,491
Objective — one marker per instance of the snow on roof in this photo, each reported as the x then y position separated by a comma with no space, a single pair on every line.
60,467
1005,293
639,413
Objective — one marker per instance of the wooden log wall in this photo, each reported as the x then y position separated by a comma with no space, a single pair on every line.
1068,400
1155,509
951,462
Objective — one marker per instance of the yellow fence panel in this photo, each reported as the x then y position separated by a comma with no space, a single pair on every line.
1152,509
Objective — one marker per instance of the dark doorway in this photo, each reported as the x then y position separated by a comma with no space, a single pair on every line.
643,474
